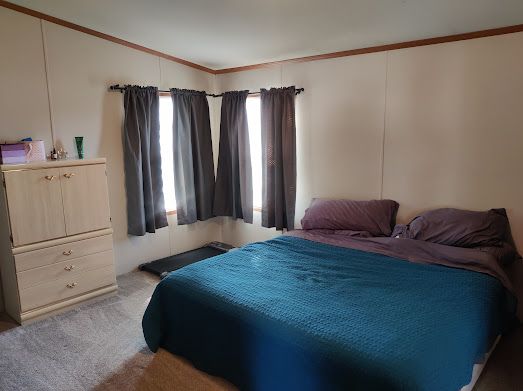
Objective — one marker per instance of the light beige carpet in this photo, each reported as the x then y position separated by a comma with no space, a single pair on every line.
97,346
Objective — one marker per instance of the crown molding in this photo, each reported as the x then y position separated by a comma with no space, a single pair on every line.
345,53
382,48
99,34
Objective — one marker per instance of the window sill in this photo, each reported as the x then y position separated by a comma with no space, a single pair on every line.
173,212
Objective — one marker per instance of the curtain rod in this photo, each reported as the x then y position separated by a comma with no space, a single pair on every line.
118,87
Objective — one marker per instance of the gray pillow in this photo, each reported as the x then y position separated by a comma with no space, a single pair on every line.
376,217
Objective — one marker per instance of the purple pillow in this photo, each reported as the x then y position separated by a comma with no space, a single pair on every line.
487,231
460,228
377,217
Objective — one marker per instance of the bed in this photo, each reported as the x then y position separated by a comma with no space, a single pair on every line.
322,310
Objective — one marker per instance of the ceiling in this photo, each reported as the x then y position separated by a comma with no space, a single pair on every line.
229,33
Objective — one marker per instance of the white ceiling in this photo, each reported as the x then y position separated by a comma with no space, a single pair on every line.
229,33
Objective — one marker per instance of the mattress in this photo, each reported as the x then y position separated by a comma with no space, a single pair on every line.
478,368
296,314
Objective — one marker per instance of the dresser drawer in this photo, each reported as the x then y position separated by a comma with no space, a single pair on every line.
66,269
64,288
62,252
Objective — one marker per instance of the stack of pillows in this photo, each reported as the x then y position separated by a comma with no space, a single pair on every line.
487,231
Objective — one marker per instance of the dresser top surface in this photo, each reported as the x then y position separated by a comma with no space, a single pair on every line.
51,164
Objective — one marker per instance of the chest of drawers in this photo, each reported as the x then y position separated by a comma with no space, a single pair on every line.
55,236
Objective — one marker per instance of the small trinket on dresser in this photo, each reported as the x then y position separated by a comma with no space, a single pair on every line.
62,154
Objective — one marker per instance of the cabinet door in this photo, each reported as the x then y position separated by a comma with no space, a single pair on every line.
35,205
85,196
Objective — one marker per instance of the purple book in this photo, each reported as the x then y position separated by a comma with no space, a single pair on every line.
12,153
12,147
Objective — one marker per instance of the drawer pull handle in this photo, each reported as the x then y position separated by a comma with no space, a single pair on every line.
69,252
69,268
71,285
70,175
49,177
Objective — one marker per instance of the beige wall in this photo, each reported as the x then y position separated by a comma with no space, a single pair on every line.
343,102
23,87
80,67
431,126
454,127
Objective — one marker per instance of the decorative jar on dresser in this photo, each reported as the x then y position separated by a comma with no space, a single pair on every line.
55,236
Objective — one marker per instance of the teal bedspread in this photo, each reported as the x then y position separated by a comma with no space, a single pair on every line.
293,314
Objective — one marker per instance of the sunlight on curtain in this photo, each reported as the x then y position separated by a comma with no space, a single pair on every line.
254,119
166,142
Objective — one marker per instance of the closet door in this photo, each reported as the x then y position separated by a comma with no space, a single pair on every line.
35,205
85,197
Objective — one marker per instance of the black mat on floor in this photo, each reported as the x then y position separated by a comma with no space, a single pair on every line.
162,267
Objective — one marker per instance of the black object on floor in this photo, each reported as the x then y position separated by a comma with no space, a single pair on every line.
164,266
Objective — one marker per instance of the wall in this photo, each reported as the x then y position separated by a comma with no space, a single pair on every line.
429,126
343,102
73,100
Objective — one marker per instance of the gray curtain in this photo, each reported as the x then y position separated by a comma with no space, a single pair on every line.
142,161
278,130
193,159
233,194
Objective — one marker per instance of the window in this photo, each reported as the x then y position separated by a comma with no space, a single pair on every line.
166,150
254,120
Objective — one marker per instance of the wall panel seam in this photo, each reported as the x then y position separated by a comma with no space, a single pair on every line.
47,83
160,71
384,123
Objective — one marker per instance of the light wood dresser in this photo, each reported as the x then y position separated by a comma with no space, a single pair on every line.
56,244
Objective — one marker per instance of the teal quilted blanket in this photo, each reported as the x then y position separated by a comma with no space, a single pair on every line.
294,314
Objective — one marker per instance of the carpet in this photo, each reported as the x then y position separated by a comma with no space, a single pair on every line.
97,346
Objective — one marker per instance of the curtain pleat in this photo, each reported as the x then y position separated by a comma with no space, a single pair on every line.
193,157
233,196
142,161
278,131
